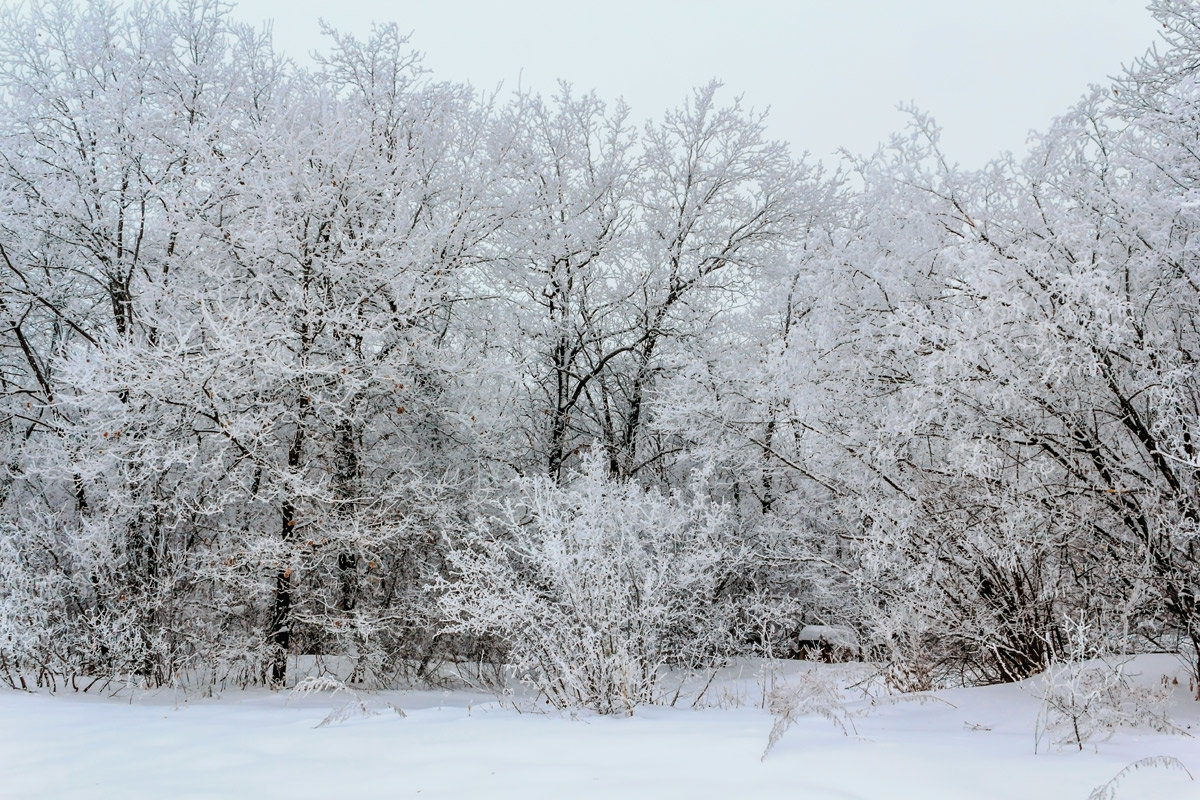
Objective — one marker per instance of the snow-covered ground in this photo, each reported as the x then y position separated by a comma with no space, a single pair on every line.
967,743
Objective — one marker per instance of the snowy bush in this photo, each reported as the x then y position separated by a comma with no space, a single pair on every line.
1088,701
816,693
594,588
1088,698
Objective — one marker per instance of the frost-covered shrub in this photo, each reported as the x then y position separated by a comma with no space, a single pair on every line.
815,693
595,587
1088,695
57,626
1090,700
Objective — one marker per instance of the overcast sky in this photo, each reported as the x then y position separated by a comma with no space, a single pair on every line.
832,71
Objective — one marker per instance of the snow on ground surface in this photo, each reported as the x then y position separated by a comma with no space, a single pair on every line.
967,744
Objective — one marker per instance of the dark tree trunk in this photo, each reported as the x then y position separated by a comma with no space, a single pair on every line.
279,633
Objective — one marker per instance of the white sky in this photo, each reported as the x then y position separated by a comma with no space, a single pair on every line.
832,71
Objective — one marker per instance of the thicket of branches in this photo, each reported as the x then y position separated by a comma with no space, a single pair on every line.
353,362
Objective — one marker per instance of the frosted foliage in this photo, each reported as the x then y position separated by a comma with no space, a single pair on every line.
595,588
1089,701
356,365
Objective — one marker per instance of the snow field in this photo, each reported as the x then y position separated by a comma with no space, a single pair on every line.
970,744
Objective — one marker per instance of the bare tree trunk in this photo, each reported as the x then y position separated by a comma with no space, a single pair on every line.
346,482
279,633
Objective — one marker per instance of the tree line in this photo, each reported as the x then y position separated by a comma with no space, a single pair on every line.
348,361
